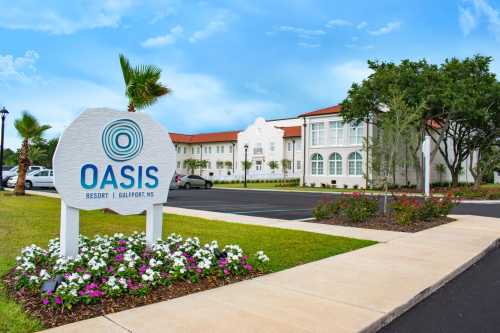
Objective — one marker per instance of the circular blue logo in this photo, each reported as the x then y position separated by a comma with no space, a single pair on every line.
122,140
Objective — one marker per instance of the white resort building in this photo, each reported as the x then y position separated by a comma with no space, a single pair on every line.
320,148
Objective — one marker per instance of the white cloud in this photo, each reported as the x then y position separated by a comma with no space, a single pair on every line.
217,24
301,32
388,28
309,45
338,23
18,69
63,18
199,101
362,25
164,40
475,10
326,84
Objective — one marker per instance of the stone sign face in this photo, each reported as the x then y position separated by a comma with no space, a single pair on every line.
119,160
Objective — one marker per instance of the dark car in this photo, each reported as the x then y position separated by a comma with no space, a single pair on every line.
191,181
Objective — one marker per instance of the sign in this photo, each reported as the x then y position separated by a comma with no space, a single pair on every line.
119,160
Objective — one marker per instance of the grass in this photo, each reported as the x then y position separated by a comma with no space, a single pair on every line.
34,219
272,186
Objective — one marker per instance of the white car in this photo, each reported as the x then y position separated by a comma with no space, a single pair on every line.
40,178
6,174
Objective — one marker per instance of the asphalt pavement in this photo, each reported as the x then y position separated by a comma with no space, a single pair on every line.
281,205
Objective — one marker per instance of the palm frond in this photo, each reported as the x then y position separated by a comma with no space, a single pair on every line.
127,70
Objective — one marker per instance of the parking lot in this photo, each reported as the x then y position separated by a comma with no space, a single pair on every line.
281,205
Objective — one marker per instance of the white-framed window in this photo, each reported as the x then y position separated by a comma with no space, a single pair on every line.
271,146
218,149
192,150
206,150
355,164
298,145
356,134
317,134
258,165
209,165
178,149
198,149
335,133
210,150
178,164
220,165
289,146
317,164
258,149
335,162
222,149
185,150
231,149
298,165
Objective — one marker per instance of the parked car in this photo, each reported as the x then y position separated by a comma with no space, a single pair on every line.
39,178
190,181
6,174
175,179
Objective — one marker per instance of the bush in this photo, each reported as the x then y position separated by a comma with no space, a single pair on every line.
121,265
358,207
405,210
325,209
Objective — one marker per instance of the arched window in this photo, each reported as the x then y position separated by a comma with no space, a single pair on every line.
355,163
317,164
335,164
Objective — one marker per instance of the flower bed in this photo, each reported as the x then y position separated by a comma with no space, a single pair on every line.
119,272
406,214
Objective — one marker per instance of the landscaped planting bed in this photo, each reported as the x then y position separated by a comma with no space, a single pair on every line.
406,214
119,272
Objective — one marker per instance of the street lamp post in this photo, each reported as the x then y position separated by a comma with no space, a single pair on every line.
246,164
3,113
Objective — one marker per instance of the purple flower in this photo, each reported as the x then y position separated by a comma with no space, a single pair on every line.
58,300
143,269
248,267
226,271
121,249
45,301
49,293
119,257
110,269
122,242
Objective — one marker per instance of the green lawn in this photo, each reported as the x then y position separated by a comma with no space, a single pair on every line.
34,219
272,186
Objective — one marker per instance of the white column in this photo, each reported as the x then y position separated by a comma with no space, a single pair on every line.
154,224
426,150
70,227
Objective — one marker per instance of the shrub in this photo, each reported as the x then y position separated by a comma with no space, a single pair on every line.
121,265
312,185
325,209
358,207
405,210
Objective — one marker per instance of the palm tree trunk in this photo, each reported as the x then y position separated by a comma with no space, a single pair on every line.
23,166
131,107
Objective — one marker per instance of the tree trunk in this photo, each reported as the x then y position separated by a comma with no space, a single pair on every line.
23,166
131,107
454,177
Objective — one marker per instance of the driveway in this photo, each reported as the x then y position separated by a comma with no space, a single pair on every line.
281,205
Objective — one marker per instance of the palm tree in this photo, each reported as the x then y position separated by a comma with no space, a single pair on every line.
141,84
29,129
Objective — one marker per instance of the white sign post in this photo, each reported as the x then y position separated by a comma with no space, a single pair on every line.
426,151
119,160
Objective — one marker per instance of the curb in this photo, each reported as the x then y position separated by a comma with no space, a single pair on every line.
400,310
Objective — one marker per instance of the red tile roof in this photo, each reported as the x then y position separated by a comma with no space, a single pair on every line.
205,137
291,132
324,111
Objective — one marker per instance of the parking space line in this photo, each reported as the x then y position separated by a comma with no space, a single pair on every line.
271,210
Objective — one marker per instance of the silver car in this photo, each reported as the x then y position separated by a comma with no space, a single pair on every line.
191,181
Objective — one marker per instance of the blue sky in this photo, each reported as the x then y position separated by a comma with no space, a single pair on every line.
226,61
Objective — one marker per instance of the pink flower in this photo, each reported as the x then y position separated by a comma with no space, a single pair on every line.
45,301
226,271
248,267
58,300
119,257
143,269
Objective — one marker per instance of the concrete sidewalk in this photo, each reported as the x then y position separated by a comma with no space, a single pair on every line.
352,292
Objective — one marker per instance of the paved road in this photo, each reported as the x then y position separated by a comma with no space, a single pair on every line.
469,303
282,205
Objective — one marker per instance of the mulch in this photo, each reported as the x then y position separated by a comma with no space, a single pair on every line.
52,316
386,223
